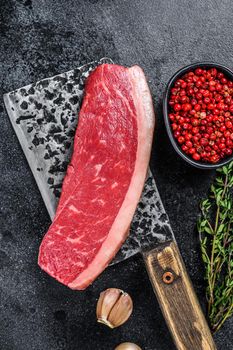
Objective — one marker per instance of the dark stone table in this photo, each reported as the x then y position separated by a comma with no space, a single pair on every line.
39,38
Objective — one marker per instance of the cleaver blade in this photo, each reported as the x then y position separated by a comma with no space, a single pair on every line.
44,117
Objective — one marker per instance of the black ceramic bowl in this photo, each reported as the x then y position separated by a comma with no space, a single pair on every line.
166,110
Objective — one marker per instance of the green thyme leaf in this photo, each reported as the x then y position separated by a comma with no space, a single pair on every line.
215,227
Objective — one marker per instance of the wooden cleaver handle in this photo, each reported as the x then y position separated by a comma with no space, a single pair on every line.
177,298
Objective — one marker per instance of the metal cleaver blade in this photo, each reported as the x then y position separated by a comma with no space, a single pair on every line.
44,116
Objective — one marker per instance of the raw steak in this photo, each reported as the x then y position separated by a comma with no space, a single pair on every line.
105,178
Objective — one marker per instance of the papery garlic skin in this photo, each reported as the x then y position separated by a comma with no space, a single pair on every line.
114,307
107,300
128,346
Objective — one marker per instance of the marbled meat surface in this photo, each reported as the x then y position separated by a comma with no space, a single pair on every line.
105,177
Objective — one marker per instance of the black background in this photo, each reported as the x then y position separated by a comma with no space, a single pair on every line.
38,39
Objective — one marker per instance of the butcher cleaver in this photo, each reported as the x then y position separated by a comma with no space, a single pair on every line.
44,117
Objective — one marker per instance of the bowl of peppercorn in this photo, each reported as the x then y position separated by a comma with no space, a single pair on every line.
198,114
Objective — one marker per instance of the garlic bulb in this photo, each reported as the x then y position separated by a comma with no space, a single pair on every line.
128,346
114,307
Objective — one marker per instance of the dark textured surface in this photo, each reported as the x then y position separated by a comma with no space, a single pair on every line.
41,38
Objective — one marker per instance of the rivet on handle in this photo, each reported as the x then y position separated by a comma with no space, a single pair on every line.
168,277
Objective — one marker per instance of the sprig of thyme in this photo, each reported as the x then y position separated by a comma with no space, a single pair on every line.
215,227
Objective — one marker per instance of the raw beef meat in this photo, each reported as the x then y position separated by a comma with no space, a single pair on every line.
105,177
